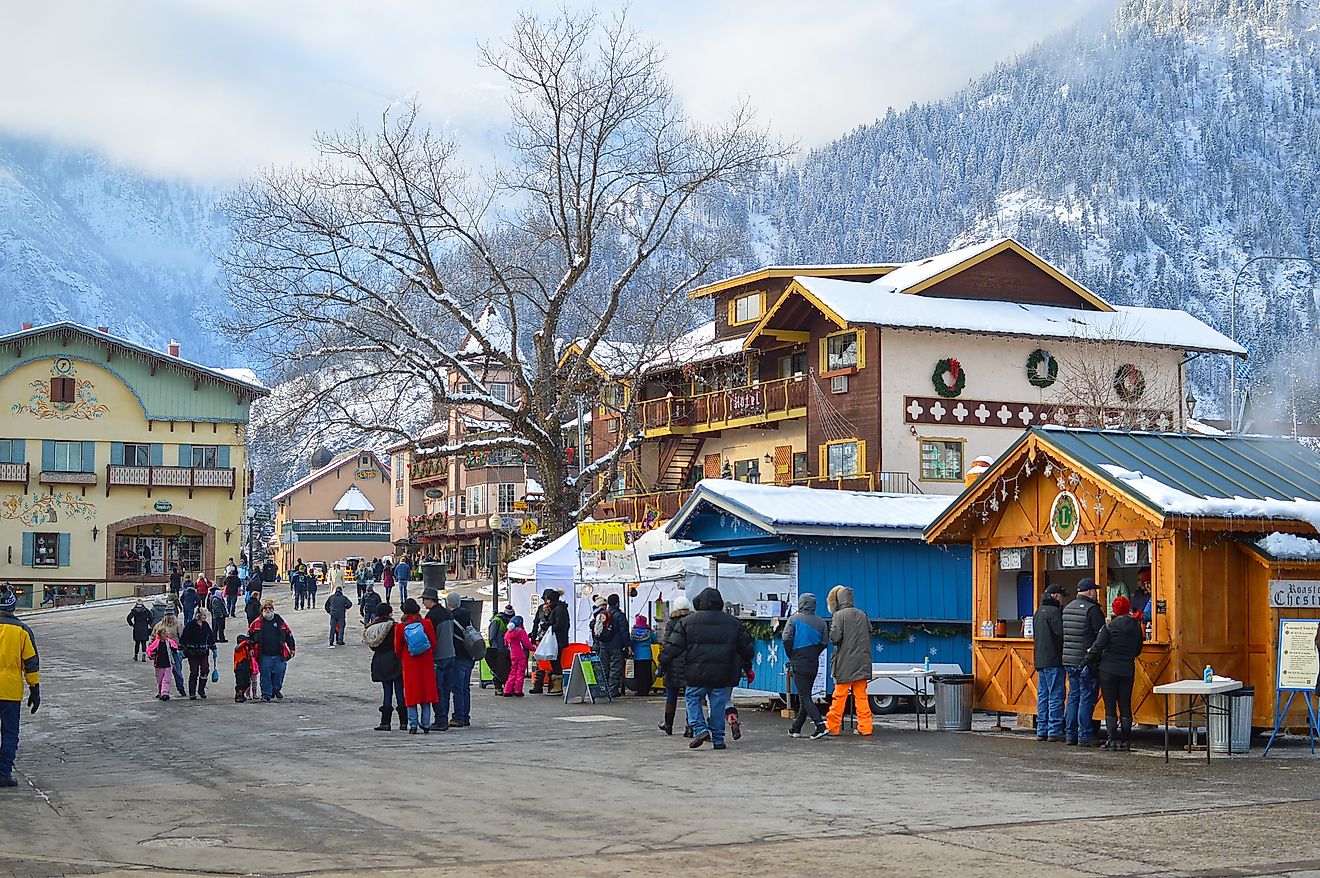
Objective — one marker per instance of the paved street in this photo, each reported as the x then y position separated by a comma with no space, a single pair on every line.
114,782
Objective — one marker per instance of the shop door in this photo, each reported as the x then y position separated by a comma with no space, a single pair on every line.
151,550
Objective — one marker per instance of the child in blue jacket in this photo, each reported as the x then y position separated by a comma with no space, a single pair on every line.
643,635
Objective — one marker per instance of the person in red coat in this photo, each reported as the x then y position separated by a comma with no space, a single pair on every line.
419,688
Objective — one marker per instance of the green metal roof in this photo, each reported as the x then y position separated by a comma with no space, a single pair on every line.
1247,467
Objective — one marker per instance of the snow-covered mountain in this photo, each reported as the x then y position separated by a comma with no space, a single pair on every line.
83,240
1151,154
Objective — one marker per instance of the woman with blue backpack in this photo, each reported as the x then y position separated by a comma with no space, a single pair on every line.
414,642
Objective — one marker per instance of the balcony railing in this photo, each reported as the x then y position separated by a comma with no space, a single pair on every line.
881,482
59,477
429,471
14,472
334,528
188,477
720,409
423,525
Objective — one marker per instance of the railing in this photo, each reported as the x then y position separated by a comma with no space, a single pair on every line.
421,525
335,526
429,470
13,472
643,508
768,400
883,482
188,477
55,477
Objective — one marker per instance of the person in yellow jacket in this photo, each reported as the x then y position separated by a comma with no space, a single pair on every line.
18,664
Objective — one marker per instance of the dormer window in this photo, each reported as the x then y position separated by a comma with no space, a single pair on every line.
745,309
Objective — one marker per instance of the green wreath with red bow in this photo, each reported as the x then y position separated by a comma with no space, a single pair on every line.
1129,383
949,378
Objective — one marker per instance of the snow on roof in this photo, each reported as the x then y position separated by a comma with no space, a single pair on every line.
494,329
909,274
1175,502
815,511
697,346
1290,547
534,488
354,501
334,464
572,425
875,304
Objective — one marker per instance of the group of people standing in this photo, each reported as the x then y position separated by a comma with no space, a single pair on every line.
1079,654
385,572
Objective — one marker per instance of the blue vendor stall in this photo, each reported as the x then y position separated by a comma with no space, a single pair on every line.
918,596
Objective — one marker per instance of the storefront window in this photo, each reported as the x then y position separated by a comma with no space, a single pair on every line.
46,549
842,460
941,460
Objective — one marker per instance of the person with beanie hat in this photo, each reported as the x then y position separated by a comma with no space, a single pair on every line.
1047,632
1114,654
520,649
551,618
609,634
19,664
463,662
140,620
642,636
337,607
672,663
497,651
1082,621
386,666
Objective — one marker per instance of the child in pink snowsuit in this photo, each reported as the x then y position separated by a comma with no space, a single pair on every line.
520,648
160,653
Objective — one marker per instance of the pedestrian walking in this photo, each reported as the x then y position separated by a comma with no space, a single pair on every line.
641,637
1114,655
176,580
386,666
1082,620
443,656
189,601
805,636
551,618
387,571
402,573
275,647
203,586
362,575
219,614
520,649
415,639
197,643
174,630
671,665
140,620
370,601
1051,678
338,605
378,570
850,633
497,651
716,651
609,632
252,609
161,651
232,584
246,670
19,664
158,608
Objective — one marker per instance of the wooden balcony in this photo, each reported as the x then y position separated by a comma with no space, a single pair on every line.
187,477
57,477
428,471
16,472
760,403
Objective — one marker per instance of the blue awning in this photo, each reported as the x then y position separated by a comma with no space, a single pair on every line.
741,550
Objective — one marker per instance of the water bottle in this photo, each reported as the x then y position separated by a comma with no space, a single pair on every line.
928,663
1208,675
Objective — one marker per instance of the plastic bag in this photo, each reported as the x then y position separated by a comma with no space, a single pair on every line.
215,666
548,649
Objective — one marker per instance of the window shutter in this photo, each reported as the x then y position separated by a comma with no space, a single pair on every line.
157,454
185,455
18,451
47,455
28,540
222,457
116,453
62,550
89,457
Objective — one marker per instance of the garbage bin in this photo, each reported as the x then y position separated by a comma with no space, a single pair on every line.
953,702
433,575
1236,735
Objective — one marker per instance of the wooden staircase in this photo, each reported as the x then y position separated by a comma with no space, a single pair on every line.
677,456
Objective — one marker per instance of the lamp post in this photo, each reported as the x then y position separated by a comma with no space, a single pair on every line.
251,514
1232,323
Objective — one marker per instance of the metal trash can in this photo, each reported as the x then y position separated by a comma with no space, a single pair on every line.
1238,737
953,702
433,575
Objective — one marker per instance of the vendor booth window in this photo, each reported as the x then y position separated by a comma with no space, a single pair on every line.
842,350
1128,573
942,460
1013,593
842,459
1066,566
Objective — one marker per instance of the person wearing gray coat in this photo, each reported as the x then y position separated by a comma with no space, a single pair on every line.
850,634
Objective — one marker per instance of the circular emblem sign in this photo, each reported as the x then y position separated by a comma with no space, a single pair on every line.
1065,520
163,506
433,493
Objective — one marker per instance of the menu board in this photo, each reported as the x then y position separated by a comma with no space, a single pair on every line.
1298,661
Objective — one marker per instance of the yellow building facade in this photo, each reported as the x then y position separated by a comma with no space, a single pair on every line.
117,462
338,511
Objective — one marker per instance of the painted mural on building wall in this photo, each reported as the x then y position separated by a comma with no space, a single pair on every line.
33,509
64,396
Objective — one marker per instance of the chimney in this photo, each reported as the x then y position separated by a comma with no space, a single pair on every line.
978,468
104,329
27,325
173,347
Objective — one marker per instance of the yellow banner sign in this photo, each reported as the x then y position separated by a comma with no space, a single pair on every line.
602,536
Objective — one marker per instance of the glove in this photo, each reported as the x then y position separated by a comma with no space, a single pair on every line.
751,676
34,698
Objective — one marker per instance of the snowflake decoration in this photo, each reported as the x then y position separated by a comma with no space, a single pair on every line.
1049,468
879,648
1063,486
934,650
1074,479
774,652
760,657
912,638
994,503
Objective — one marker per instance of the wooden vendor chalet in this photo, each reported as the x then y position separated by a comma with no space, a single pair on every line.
1221,527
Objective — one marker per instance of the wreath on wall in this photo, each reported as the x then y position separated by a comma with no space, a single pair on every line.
949,378
1129,383
1042,368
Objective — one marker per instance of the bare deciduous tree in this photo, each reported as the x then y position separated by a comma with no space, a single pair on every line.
368,271
1110,382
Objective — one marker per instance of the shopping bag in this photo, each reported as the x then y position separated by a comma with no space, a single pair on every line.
215,666
548,649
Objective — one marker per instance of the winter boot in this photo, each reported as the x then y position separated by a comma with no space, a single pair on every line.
554,685
1125,742
403,718
667,726
538,681
385,714
687,731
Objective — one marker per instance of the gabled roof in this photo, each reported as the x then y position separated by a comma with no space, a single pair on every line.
1176,475
771,272
245,379
616,359
354,500
330,467
799,511
871,304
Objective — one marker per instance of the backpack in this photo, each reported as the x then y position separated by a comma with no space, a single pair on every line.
474,643
602,627
414,635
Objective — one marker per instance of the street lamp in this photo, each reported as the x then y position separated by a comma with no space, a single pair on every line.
251,514
1232,323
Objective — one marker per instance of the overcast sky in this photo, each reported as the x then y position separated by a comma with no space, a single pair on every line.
212,89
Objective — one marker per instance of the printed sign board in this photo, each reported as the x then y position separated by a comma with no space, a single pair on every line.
1298,661
601,536
586,679
1295,593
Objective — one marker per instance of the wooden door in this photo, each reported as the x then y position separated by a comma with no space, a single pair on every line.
783,464
710,466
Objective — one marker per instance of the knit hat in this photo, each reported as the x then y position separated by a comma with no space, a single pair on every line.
8,599
516,622
640,621
383,611
549,594
453,600
1122,606
681,603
